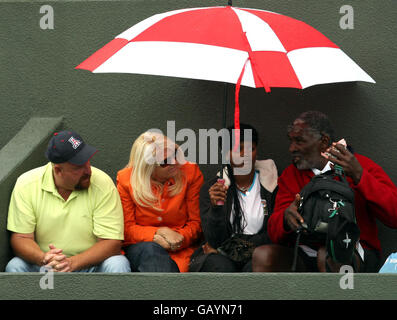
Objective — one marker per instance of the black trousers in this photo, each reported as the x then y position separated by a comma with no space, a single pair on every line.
220,263
371,263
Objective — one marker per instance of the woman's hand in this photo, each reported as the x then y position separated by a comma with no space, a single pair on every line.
217,192
174,238
161,241
208,249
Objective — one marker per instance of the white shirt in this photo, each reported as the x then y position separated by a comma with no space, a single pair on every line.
325,169
252,207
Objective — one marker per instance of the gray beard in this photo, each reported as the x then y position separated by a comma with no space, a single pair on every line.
304,164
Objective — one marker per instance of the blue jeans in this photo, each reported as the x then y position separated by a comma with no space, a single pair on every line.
112,264
150,257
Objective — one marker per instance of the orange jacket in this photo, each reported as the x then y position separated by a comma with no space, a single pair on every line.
181,213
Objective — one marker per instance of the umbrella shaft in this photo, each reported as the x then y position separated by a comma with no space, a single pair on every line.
225,99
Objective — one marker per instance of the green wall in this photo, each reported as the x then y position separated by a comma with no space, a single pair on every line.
197,286
38,79
22,153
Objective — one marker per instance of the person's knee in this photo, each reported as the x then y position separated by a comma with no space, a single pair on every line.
17,265
152,248
145,249
321,259
261,255
263,258
150,257
13,265
218,263
116,264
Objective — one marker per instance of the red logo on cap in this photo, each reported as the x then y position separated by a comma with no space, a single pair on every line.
75,143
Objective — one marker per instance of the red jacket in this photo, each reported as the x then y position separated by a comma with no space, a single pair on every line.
375,198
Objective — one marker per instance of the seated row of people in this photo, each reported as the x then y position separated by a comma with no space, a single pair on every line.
68,216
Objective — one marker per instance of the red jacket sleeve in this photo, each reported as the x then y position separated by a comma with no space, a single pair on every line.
379,191
192,229
287,189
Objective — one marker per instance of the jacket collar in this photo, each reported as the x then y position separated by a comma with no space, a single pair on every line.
268,174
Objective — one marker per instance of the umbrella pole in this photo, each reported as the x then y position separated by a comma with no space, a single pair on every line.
225,98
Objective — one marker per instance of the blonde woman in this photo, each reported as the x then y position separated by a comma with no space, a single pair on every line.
159,192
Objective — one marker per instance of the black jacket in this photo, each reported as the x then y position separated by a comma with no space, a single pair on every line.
215,222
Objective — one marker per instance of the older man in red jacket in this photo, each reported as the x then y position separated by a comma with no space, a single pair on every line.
312,148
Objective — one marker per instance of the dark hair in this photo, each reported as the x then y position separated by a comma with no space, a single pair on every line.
243,135
238,212
318,122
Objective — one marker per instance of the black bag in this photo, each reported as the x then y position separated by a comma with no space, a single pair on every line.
327,207
238,248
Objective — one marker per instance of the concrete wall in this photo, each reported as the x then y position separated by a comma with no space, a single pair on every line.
22,153
38,79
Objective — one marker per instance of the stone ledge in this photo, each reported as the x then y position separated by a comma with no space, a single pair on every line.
197,286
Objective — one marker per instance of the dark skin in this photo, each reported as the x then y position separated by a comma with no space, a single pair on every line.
310,148
346,160
218,191
308,151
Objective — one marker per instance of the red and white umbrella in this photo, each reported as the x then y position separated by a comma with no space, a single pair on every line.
249,47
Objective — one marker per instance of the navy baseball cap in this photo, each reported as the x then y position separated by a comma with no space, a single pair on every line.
68,146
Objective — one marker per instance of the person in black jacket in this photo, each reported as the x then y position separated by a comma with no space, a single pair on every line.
233,230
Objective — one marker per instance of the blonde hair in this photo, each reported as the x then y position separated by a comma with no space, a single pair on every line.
147,152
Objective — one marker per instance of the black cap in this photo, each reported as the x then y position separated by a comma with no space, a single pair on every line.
68,146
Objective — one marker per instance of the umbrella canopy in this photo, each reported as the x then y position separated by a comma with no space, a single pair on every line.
216,43
249,47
